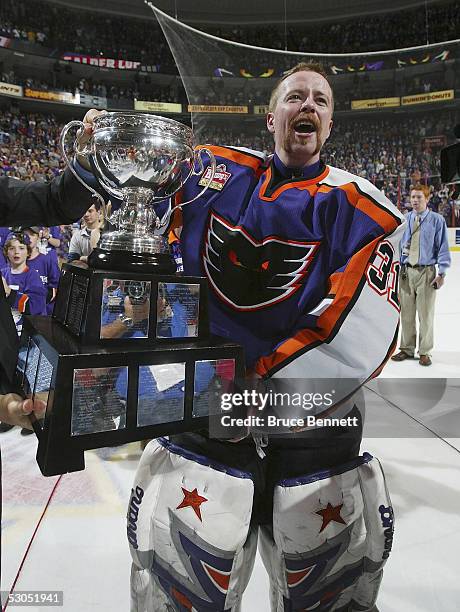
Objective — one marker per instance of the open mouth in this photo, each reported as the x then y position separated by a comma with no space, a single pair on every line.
304,127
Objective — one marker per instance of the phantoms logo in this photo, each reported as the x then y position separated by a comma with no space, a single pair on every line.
250,274
133,515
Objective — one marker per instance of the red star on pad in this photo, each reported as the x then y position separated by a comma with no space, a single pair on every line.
330,513
192,499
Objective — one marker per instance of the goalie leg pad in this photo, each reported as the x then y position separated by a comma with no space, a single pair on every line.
332,533
189,532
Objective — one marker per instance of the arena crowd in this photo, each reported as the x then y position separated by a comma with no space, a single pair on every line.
393,152
79,31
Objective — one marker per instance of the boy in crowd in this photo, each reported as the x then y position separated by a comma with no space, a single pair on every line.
24,290
23,286
45,265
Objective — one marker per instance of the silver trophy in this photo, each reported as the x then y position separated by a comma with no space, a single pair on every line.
142,160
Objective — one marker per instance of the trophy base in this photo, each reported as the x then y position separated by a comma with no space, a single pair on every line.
97,397
126,261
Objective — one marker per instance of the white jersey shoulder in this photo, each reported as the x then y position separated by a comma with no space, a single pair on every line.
338,177
260,154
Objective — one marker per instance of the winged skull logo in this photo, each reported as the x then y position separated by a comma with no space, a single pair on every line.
250,274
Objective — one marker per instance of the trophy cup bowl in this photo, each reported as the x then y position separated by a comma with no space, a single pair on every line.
143,160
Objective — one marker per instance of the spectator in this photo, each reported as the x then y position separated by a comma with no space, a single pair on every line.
46,265
51,238
123,38
4,232
25,291
66,236
84,240
423,247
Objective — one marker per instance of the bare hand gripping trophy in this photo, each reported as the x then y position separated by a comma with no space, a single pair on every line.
141,159
128,347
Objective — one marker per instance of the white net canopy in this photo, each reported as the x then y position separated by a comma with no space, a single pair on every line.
228,86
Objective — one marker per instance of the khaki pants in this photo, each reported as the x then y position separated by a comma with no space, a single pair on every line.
416,295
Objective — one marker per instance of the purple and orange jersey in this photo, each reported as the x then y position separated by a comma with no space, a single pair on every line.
303,271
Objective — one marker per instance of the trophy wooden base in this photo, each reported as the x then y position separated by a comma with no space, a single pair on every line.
103,396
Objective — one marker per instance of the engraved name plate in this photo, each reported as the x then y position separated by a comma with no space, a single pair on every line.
212,378
115,294
99,400
177,310
161,394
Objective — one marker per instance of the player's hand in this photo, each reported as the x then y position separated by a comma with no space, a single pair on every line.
15,410
85,134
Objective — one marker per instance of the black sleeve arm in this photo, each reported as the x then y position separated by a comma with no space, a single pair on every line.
61,201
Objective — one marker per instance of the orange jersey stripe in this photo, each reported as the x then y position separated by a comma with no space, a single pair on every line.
237,156
310,185
175,224
345,286
378,214
334,282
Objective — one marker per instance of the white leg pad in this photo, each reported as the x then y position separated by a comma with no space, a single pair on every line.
332,533
189,532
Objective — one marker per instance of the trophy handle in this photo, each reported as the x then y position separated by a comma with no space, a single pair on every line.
198,159
83,151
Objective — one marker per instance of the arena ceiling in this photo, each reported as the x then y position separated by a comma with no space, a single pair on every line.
252,12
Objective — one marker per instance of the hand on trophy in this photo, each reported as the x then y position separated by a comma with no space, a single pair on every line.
15,410
84,135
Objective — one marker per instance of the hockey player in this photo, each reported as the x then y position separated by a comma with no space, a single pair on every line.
302,265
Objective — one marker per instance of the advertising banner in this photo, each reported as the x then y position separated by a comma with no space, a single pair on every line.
157,107
203,108
374,103
51,96
101,62
434,96
10,90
